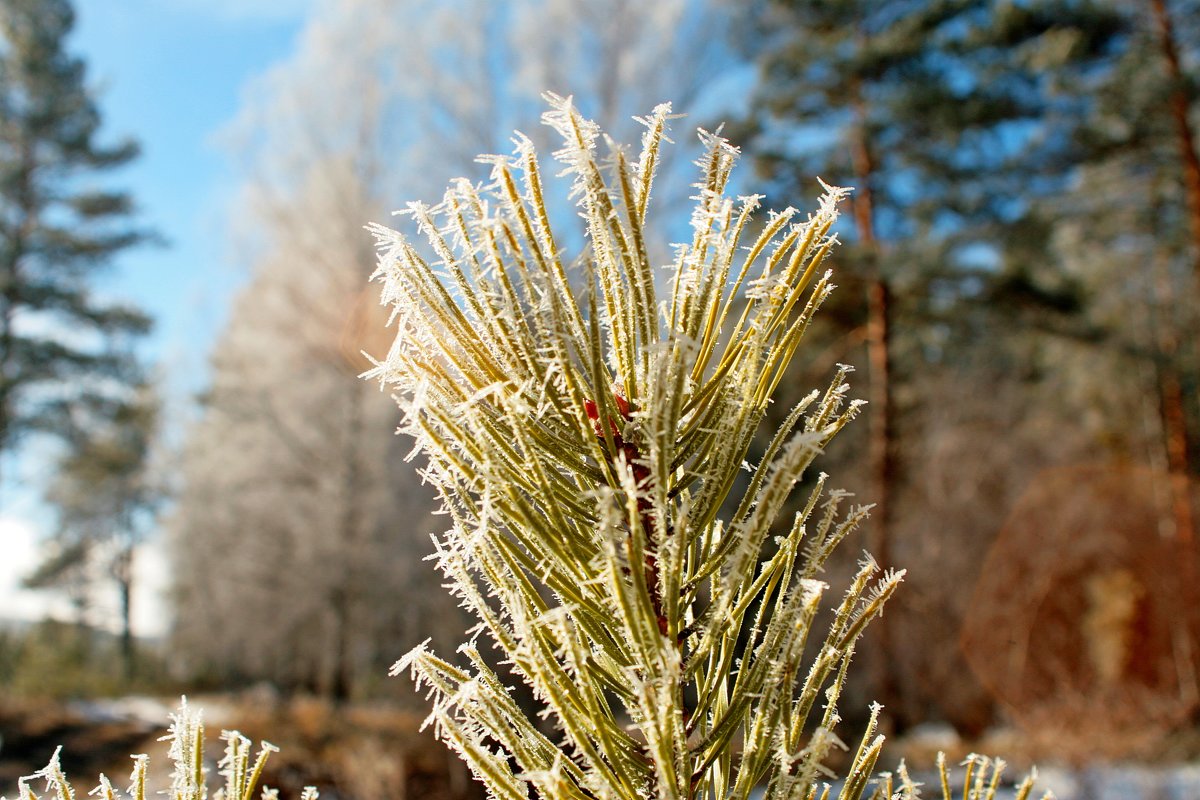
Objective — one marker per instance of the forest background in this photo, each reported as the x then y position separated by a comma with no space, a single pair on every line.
1019,288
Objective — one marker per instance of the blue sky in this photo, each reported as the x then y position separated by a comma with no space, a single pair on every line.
170,73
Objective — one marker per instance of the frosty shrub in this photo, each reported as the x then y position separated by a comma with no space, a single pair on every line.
585,434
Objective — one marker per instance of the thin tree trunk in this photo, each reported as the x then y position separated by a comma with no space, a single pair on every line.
128,650
882,453
1177,462
351,533
1175,433
10,286
1174,411
878,342
121,569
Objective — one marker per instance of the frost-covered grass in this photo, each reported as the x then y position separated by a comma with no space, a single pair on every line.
240,768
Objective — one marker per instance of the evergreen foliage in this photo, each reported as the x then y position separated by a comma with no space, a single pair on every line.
105,497
1132,204
957,114
65,661
958,124
57,226
584,447
240,768
1129,234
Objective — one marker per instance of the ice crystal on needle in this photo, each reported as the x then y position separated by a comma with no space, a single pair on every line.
585,436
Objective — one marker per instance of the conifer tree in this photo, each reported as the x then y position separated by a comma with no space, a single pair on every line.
58,225
1130,233
947,119
105,496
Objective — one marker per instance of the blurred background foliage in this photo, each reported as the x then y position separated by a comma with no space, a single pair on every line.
1019,288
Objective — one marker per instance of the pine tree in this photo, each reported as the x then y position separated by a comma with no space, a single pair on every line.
105,496
57,225
949,119
1130,231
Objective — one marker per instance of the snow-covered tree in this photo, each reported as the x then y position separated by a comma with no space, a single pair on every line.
292,510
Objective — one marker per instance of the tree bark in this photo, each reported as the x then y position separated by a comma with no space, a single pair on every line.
123,572
1178,441
882,449
1175,433
878,341
351,535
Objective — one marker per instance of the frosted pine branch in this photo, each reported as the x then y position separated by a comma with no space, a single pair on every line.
585,437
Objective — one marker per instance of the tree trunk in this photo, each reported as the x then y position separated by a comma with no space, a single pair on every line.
881,414
10,283
350,537
878,342
1175,429
1178,442
128,647
1175,433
